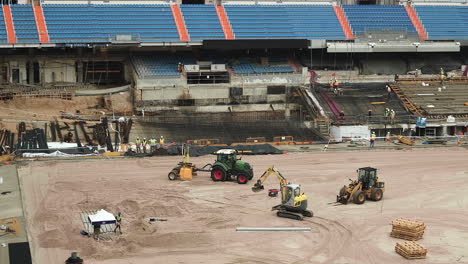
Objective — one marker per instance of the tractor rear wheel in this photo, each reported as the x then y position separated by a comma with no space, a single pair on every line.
218,173
242,179
359,197
376,194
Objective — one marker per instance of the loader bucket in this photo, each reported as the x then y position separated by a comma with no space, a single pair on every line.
257,187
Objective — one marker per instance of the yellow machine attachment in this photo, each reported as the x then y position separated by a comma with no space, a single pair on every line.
293,202
184,170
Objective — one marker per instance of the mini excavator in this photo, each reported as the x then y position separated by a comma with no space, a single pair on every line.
293,202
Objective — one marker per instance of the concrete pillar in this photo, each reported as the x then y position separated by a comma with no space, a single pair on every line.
79,71
444,131
30,73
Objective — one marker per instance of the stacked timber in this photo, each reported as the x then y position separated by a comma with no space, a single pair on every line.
407,229
410,250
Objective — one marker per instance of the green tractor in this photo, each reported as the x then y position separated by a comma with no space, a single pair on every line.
228,167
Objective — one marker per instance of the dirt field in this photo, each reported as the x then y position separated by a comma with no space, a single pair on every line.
430,185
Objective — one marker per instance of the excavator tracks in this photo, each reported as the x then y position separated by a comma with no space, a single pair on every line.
294,215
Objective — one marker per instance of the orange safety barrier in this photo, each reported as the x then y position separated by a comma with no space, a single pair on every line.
10,27
343,22
224,20
41,24
416,22
180,23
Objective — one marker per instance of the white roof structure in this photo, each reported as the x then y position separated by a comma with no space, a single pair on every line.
102,217
226,151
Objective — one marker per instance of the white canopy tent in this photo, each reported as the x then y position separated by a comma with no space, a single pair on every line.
102,217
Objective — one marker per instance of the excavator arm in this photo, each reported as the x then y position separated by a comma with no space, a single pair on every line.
258,186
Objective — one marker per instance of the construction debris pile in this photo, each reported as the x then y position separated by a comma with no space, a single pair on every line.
410,250
6,141
407,229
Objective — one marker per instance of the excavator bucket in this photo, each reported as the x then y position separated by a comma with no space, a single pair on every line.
257,187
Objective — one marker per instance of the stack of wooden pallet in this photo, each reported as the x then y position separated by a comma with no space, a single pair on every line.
407,229
410,250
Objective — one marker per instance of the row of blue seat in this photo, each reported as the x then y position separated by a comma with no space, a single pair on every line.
25,24
205,16
444,22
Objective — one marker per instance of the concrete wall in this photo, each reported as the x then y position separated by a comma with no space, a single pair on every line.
295,79
191,92
222,108
63,71
338,132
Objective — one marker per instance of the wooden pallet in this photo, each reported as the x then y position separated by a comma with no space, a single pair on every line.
405,237
404,223
410,250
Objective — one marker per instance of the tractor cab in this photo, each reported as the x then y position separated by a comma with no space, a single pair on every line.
368,177
226,156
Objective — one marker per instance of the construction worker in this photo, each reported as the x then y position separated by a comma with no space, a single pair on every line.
152,142
161,142
372,139
138,145
118,222
442,75
144,143
97,231
388,137
387,113
392,116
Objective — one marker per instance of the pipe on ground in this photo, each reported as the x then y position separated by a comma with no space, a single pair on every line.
270,229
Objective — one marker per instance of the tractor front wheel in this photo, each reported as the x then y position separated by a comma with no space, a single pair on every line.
359,197
376,194
218,174
242,179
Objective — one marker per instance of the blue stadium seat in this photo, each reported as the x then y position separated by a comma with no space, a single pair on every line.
161,64
24,23
444,22
99,23
284,22
378,18
202,22
245,66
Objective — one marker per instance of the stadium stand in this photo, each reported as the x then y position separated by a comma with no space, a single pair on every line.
444,22
202,22
162,64
284,21
99,23
102,23
25,24
378,18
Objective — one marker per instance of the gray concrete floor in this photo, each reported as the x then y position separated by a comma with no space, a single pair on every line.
11,206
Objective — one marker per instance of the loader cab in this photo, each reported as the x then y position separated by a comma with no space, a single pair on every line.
368,177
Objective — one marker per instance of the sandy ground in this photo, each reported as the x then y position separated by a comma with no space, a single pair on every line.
430,185
47,109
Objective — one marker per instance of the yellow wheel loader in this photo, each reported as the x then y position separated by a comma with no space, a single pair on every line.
293,202
367,187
